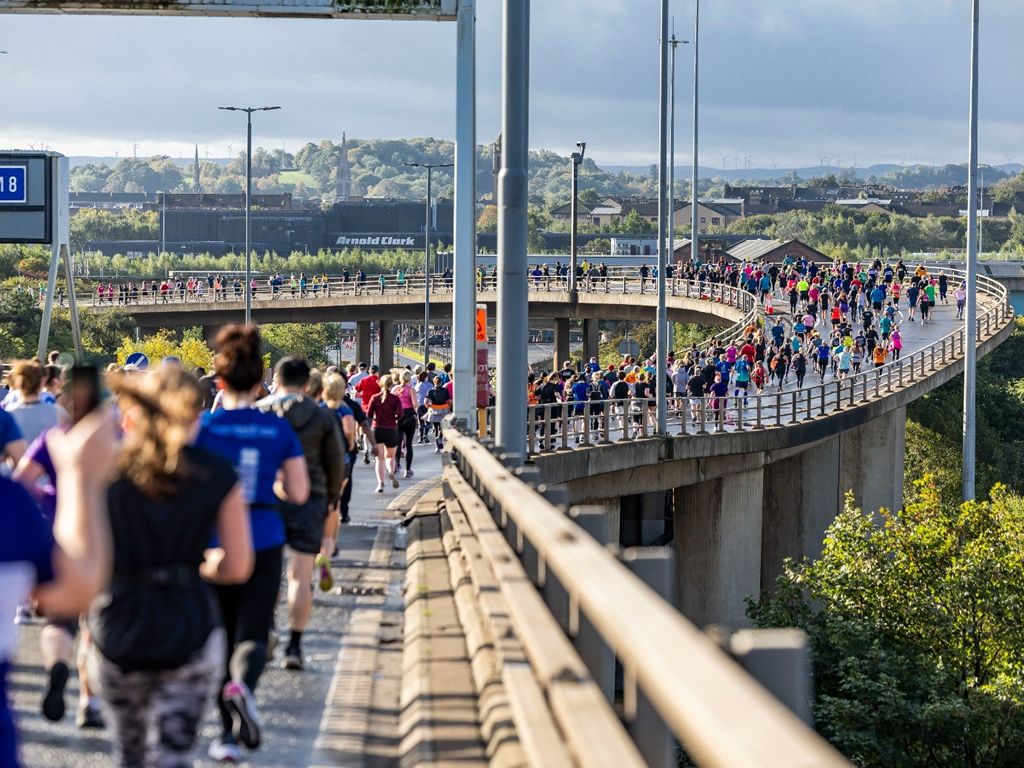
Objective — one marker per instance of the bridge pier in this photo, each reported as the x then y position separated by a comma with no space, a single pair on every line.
363,341
386,334
871,461
641,519
591,338
801,498
561,353
717,540
210,334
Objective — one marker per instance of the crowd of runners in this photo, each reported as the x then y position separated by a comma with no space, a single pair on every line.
151,515
826,321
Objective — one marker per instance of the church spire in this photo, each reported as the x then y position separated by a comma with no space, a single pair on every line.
196,185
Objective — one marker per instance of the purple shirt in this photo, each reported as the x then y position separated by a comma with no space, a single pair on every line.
45,493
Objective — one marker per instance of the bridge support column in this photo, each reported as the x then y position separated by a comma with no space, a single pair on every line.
363,341
386,331
591,339
801,498
717,539
210,334
641,519
561,342
871,461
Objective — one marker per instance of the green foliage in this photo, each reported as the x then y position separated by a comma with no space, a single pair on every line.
915,632
935,447
307,340
126,224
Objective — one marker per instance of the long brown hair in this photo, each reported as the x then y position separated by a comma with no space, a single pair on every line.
164,404
386,383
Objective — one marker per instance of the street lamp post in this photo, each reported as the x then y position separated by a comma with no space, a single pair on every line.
426,258
577,159
248,199
163,223
971,315
675,42
661,395
694,231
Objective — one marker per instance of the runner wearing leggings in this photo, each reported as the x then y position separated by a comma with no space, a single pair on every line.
257,444
407,425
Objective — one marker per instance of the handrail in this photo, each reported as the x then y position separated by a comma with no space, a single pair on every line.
720,715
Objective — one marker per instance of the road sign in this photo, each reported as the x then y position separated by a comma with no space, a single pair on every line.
137,359
12,184
27,197
481,322
629,347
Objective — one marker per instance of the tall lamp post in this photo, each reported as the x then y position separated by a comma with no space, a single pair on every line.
694,231
674,42
248,199
971,315
662,326
426,258
577,159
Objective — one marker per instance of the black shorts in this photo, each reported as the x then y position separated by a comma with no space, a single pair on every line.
304,524
389,438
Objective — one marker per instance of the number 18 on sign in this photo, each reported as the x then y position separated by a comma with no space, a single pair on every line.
12,184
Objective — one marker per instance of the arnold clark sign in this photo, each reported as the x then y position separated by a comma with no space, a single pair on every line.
378,241
432,10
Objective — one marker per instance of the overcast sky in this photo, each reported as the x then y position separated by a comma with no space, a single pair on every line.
784,82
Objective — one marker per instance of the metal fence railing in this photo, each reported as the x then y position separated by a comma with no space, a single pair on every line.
576,608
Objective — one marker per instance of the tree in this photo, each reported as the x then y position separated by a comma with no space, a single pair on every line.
307,340
191,349
635,224
537,220
914,623
488,221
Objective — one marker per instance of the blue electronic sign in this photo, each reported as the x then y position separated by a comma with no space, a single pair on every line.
12,184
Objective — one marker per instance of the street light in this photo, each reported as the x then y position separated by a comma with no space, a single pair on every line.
426,259
694,231
675,42
662,315
577,159
971,315
248,198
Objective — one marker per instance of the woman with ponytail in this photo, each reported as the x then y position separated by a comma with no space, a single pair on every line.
158,643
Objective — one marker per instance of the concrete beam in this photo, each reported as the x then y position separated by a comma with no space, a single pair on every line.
561,342
363,341
387,345
718,548
591,338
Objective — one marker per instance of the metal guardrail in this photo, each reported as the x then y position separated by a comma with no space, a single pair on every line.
567,425
677,683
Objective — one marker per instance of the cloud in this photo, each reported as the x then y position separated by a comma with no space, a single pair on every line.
787,80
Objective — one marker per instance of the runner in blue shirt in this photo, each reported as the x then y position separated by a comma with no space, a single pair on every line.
257,444
823,356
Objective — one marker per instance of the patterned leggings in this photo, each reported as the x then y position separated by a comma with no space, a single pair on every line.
155,714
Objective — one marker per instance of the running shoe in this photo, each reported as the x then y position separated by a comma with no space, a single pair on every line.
326,579
408,473
293,659
23,615
380,487
394,480
53,698
89,717
244,715
366,458
224,752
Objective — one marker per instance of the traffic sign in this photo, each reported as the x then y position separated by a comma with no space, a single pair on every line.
12,184
481,322
137,359
629,347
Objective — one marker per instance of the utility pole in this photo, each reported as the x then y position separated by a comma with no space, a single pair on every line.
675,42
511,413
971,315
661,395
426,257
248,199
577,158
694,230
